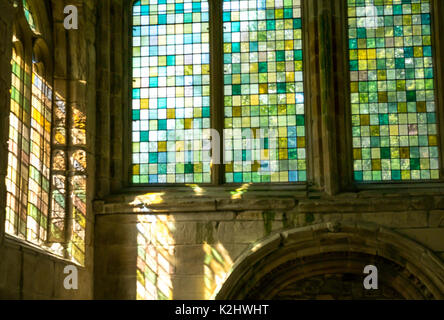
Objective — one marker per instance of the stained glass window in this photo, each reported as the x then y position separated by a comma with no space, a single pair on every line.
40,156
28,174
394,124
28,15
264,96
47,161
15,222
170,94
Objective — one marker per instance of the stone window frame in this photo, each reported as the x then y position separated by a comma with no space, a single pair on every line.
35,47
327,101
437,10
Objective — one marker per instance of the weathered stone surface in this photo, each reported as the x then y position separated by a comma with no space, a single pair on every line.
436,219
186,233
10,260
260,215
204,216
190,260
256,204
359,205
407,219
189,287
118,231
429,237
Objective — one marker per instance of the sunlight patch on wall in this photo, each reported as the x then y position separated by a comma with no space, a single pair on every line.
217,264
155,253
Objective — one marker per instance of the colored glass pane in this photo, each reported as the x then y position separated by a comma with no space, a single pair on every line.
40,157
28,15
13,181
28,174
394,123
170,91
264,95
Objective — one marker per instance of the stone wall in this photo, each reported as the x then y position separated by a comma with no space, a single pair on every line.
181,242
203,236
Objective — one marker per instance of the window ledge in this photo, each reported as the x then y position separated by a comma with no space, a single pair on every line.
201,199
402,186
24,245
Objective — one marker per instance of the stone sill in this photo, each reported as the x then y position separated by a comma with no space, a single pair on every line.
184,199
223,191
402,185
26,246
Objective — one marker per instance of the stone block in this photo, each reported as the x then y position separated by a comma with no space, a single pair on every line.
408,219
247,231
422,203
436,218
259,215
184,205
190,260
115,230
85,281
185,233
203,216
120,260
10,262
189,287
224,232
255,204
431,238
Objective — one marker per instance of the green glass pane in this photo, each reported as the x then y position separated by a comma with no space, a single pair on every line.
263,87
170,92
392,92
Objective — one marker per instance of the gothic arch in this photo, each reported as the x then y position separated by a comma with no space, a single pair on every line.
282,265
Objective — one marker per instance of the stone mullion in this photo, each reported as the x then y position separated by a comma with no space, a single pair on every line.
103,124
68,190
438,48
27,94
117,88
343,156
126,60
327,95
59,128
311,80
326,83
79,150
217,85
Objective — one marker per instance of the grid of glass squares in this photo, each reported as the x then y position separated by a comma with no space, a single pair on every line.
394,124
28,176
170,95
264,96
28,15
13,179
39,161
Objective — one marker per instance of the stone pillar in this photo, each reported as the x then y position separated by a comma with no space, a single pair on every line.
6,20
103,76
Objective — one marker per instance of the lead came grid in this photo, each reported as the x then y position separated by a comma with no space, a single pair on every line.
170,95
263,91
394,121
